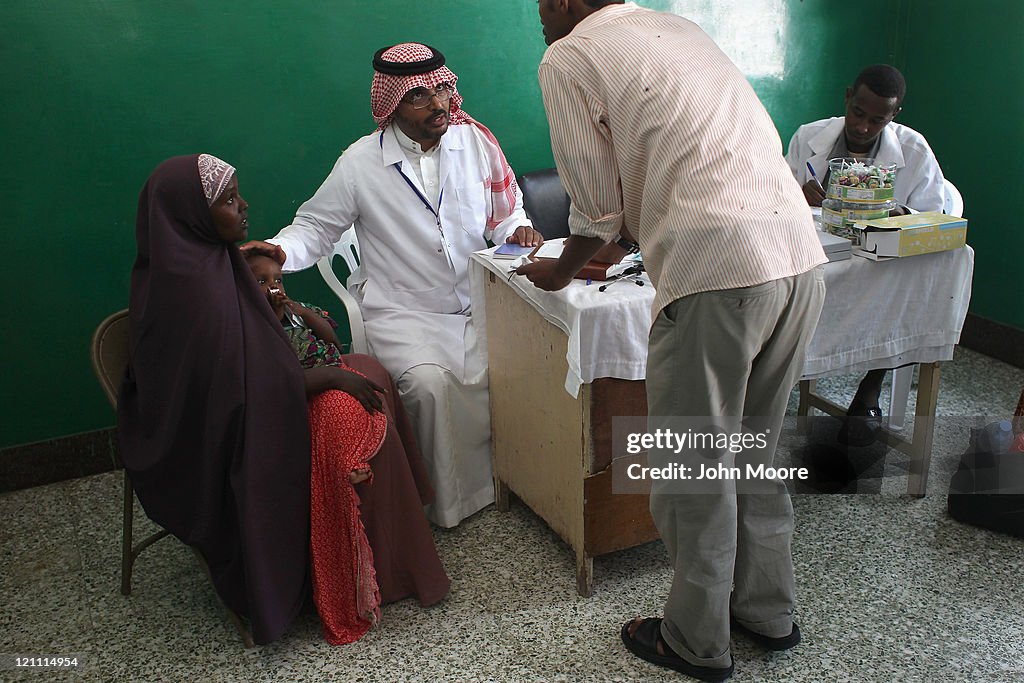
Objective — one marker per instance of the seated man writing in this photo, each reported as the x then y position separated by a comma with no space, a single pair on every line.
868,131
423,191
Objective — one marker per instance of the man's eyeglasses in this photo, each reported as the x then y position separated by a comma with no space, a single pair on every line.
421,97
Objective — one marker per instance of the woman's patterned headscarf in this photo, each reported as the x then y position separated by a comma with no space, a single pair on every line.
215,176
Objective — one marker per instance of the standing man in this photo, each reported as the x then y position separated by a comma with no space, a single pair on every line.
868,131
655,132
422,192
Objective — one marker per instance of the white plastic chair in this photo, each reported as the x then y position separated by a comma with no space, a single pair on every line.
953,203
347,247
902,378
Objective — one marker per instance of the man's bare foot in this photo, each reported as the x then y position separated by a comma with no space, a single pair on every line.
360,474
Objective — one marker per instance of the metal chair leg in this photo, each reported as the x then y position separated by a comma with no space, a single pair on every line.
129,553
240,626
126,537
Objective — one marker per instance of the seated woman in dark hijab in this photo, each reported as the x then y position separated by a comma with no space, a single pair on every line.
212,418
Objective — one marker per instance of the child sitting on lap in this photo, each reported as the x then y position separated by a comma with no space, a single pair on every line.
357,562
311,333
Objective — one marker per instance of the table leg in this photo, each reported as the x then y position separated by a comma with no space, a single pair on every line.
920,449
924,429
807,387
501,495
584,574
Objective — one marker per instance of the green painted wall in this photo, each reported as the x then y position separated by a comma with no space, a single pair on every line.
96,93
965,93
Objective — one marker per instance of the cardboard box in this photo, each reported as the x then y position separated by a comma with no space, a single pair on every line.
836,248
918,233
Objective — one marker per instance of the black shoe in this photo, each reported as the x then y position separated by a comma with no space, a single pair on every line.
777,644
860,426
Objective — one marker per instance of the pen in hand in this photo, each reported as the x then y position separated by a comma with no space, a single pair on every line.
814,193
814,176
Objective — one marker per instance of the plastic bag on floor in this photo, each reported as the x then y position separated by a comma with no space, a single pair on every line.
987,489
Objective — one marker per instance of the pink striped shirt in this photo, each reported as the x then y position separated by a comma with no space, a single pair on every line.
653,127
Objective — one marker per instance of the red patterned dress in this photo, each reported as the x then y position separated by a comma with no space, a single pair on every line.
370,543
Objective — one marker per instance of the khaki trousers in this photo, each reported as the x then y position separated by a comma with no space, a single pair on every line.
733,353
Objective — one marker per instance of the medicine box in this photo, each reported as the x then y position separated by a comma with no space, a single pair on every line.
836,248
910,235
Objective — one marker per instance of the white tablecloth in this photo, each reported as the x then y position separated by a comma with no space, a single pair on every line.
876,315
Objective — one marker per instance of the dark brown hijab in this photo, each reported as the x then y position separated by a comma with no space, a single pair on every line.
212,414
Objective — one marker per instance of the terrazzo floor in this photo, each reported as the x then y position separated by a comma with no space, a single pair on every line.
890,589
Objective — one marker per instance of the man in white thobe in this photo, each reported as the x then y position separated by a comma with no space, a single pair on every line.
422,192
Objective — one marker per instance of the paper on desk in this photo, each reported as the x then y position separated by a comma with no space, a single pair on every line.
550,248
516,262
553,249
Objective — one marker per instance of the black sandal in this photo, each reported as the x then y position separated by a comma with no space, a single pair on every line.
644,644
776,644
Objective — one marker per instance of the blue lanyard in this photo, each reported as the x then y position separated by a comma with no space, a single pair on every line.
437,214
398,167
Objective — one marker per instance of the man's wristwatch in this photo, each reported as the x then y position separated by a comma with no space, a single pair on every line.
630,246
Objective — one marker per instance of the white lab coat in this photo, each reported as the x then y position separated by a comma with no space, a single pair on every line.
413,282
413,291
919,184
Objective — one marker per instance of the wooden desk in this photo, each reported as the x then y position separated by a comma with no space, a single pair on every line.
549,461
877,315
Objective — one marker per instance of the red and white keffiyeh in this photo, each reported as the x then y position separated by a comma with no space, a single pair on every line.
387,90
